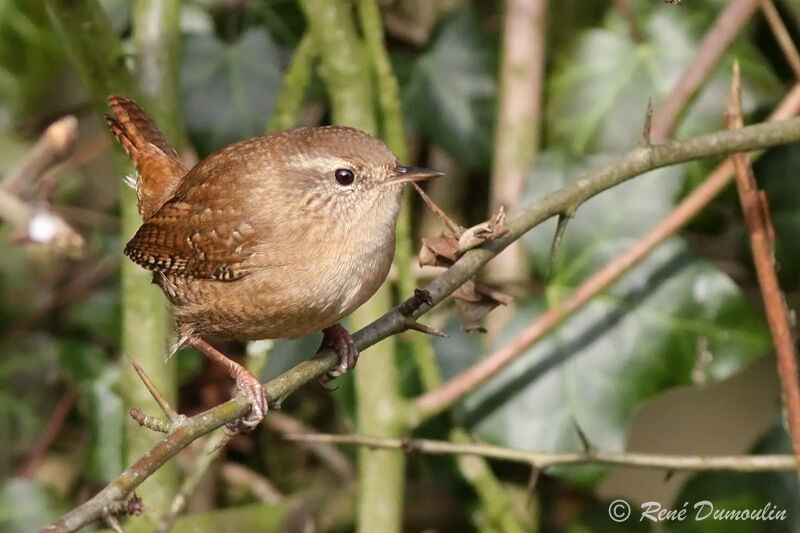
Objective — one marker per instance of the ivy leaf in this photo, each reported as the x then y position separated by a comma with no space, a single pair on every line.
452,90
97,378
28,505
776,173
599,92
673,320
773,491
228,90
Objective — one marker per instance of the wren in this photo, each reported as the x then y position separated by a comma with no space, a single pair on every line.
272,237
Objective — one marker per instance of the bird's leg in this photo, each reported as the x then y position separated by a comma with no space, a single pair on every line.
338,339
249,385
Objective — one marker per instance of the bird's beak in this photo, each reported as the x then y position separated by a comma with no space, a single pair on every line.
404,174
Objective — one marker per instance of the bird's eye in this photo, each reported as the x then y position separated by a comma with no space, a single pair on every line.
344,176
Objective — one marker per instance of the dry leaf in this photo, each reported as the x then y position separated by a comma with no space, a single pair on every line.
476,235
438,251
474,301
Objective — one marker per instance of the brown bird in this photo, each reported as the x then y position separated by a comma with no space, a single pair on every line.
272,237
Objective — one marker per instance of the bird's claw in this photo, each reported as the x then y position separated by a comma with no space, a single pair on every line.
256,395
338,339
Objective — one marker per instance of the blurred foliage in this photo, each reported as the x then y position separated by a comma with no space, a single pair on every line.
228,90
737,491
601,89
452,91
686,316
30,58
641,336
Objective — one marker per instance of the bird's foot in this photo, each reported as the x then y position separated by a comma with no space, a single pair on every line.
249,386
338,339
256,395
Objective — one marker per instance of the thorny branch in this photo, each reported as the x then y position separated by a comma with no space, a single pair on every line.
440,399
756,215
634,163
544,460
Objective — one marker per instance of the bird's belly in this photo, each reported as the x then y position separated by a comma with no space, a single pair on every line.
273,303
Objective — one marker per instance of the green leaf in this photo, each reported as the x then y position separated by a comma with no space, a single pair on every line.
27,505
776,172
452,90
599,92
774,491
30,57
228,90
672,320
97,379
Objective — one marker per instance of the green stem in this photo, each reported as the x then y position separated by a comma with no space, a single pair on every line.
293,88
97,55
380,406
344,64
474,469
156,36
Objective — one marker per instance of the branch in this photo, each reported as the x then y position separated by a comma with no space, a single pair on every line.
782,36
638,161
329,455
543,460
630,17
205,456
756,214
50,431
518,119
36,222
53,146
708,54
436,401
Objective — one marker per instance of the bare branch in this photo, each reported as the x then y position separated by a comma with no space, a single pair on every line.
54,145
638,161
708,54
170,413
206,456
544,460
782,36
756,214
439,399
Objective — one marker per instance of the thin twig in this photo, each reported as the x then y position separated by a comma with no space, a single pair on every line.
756,214
50,431
636,162
160,425
329,455
96,271
625,8
437,400
170,413
516,142
54,145
82,155
782,36
205,456
258,485
708,54
37,223
113,523
451,225
544,460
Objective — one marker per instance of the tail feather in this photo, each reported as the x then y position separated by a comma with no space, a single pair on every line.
160,170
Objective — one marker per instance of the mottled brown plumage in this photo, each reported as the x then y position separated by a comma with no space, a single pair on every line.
275,236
